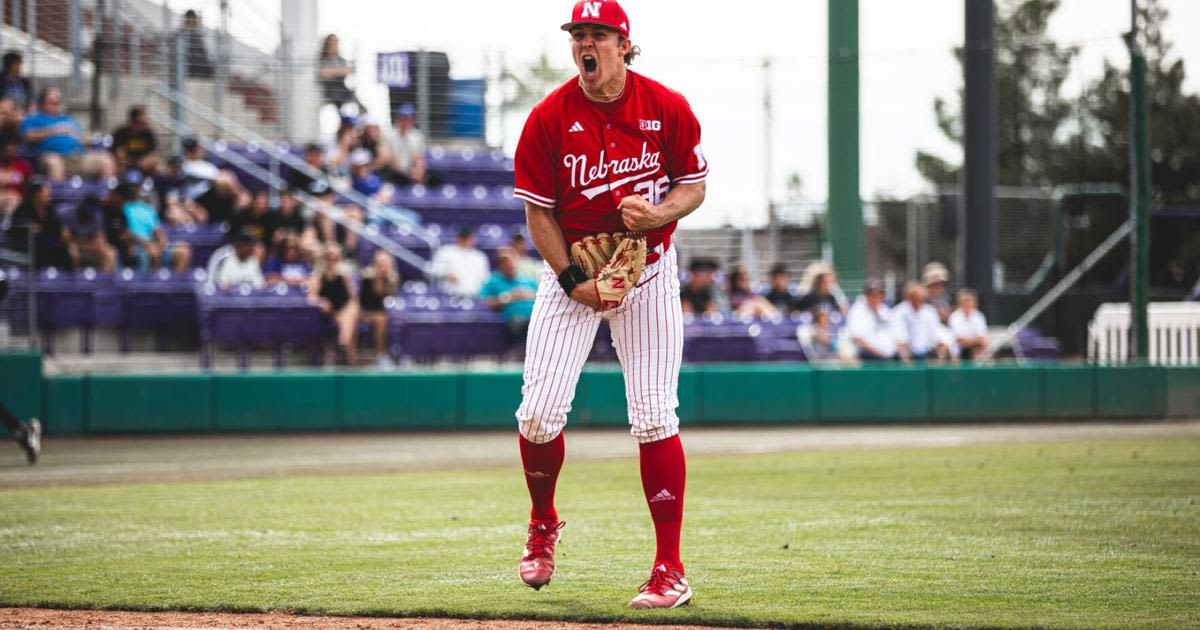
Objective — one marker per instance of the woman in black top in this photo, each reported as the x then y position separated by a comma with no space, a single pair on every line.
332,290
378,282
51,245
822,291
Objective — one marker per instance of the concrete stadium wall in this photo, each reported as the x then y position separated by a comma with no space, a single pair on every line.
709,395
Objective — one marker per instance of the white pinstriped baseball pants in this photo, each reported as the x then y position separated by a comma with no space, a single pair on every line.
647,332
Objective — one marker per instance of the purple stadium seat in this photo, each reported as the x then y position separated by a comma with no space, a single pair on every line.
1030,344
84,299
203,239
439,329
245,318
718,339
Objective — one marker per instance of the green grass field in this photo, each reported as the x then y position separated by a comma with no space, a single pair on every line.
1060,534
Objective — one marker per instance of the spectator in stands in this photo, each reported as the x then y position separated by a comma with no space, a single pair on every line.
701,296
917,329
135,144
58,141
290,265
314,157
174,206
371,139
780,294
199,64
327,230
116,230
510,295
257,218
336,160
461,267
528,266
290,221
969,325
1194,296
50,239
148,244
868,326
11,118
333,292
86,237
820,290
237,263
215,190
818,338
364,180
13,85
379,282
935,277
407,149
15,173
744,300
332,72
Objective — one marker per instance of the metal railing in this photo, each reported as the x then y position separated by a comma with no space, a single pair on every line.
1057,290
278,183
280,155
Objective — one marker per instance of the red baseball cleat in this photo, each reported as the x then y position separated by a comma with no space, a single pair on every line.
537,564
666,588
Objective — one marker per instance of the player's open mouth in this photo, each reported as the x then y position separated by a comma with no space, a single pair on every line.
589,64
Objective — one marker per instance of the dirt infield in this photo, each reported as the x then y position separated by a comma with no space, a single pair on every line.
117,460
42,619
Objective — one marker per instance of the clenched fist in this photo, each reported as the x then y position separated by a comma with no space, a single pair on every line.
640,215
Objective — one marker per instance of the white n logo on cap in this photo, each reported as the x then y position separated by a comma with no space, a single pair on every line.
591,9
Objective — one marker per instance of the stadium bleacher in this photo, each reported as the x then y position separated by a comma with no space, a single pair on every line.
424,325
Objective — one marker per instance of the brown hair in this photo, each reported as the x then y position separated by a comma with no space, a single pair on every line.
633,53
327,47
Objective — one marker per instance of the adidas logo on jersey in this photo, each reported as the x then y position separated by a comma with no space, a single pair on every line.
576,127
662,495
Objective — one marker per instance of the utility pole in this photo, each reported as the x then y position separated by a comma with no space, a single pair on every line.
1139,199
978,240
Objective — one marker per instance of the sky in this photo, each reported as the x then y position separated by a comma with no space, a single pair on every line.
713,53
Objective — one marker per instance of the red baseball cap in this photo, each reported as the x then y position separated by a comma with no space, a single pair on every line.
603,12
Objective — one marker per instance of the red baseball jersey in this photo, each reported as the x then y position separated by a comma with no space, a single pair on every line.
581,158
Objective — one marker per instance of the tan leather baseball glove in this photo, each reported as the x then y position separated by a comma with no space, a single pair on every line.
615,260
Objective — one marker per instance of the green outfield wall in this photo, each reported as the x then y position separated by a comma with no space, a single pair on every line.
708,395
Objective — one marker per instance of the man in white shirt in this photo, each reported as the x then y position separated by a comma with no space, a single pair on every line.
918,328
461,268
235,265
408,147
868,326
969,325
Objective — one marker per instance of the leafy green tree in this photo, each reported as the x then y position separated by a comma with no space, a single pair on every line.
531,83
1174,125
1045,139
1030,108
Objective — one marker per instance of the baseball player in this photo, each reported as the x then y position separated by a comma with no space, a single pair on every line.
27,434
606,165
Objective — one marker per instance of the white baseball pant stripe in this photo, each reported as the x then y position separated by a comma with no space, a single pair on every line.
647,332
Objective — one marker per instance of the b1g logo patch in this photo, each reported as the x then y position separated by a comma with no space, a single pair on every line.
650,125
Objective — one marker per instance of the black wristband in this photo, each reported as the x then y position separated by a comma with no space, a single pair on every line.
571,277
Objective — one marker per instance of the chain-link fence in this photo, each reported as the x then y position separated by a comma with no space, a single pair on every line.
908,234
